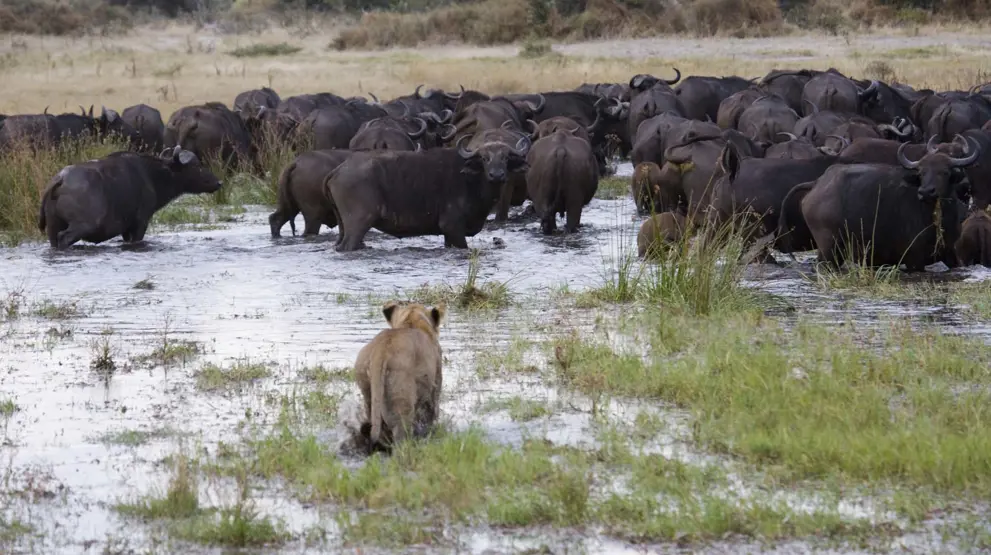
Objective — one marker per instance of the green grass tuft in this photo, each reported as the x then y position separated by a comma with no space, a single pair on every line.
258,50
241,373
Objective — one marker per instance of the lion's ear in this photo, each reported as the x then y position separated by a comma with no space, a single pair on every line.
388,309
437,314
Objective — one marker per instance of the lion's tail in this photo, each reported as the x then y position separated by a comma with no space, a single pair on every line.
377,370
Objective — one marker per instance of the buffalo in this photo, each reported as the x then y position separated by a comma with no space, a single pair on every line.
147,121
659,231
406,194
388,133
889,215
301,189
701,96
562,178
211,131
835,92
766,118
788,84
98,200
974,244
730,109
248,103
953,117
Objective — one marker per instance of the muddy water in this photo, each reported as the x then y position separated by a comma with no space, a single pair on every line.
290,303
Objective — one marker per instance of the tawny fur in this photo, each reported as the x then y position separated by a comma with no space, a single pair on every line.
646,185
659,230
399,373
974,244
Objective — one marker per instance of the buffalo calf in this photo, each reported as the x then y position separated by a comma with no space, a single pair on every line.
301,189
974,244
98,200
658,231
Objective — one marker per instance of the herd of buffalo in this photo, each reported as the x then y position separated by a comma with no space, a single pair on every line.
815,160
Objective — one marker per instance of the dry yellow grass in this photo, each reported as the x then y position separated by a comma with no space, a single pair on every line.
173,66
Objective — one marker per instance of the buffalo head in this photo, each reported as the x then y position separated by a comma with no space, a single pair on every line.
642,81
495,158
188,174
938,175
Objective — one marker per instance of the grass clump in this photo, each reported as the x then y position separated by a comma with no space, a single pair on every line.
102,356
144,285
135,438
7,408
470,295
520,409
320,375
51,310
172,352
974,297
237,526
241,373
535,49
611,188
258,50
180,500
700,274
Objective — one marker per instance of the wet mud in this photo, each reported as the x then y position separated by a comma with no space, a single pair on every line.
291,304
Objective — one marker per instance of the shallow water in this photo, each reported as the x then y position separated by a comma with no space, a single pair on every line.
292,303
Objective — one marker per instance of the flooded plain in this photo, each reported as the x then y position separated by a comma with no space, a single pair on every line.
94,411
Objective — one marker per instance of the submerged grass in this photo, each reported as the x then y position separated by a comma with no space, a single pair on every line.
699,274
470,295
890,405
52,310
237,375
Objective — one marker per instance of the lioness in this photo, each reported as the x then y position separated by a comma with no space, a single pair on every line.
399,373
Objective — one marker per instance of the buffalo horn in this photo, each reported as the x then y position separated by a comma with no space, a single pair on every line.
522,147
843,140
83,110
535,129
931,145
903,160
416,93
463,151
419,133
595,124
446,116
870,92
676,79
970,158
791,136
448,136
375,98
455,96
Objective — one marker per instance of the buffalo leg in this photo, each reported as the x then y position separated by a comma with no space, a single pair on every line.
356,230
54,227
72,234
277,220
574,214
505,199
455,240
312,226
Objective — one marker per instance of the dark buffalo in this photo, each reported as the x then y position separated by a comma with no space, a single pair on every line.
603,116
118,195
758,186
502,165
701,96
649,140
956,116
619,91
837,93
642,82
650,103
29,130
388,133
301,189
491,114
211,131
793,149
149,125
841,137
561,123
645,186
562,178
730,109
335,126
467,99
885,215
788,84
890,102
433,100
406,194
279,124
766,118
974,244
819,125
689,172
885,151
249,102
46,130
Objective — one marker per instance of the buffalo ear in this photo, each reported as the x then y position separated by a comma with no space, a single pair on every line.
913,179
437,314
389,309
730,161
957,175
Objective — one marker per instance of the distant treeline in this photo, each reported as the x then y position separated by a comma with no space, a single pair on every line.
382,23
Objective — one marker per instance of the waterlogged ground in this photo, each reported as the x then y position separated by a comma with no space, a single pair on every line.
106,376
